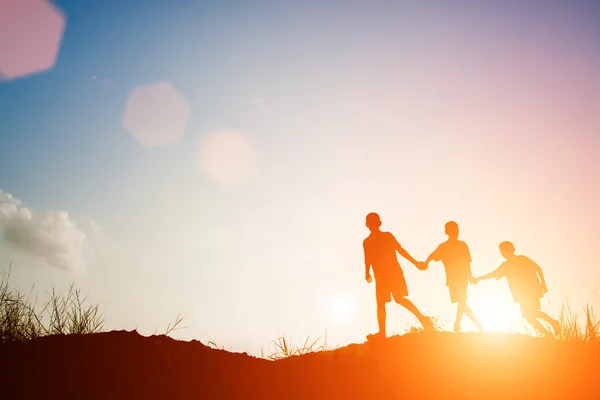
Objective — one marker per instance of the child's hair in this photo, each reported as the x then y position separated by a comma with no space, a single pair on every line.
373,217
507,246
451,226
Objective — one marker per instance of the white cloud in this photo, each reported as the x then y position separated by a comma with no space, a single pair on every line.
52,236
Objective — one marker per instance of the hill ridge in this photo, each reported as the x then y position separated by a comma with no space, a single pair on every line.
438,365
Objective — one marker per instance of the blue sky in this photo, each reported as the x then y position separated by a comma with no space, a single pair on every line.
480,112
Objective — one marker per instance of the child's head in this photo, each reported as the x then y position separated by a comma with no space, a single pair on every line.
507,249
452,230
373,221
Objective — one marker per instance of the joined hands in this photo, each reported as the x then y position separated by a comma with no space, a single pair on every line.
422,265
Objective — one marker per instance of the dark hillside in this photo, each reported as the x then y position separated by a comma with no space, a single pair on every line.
126,365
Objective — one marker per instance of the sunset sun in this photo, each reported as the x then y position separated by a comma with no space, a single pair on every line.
341,308
494,315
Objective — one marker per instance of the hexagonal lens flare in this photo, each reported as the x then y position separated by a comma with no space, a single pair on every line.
31,32
156,114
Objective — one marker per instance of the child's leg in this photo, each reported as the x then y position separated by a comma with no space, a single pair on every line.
555,324
380,321
381,316
458,294
460,311
409,305
529,316
469,313
400,291
382,297
536,325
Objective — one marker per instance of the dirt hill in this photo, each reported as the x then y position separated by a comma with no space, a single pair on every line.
126,365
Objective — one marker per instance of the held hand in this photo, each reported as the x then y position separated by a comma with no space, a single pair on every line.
368,278
422,265
474,281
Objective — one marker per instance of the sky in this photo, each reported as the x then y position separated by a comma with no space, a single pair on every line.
216,159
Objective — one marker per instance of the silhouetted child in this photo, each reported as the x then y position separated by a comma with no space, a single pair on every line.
380,253
527,285
456,258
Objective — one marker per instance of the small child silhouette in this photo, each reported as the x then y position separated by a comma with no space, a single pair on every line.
456,258
527,285
380,253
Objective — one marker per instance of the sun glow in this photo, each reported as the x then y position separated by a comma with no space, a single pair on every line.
341,308
495,316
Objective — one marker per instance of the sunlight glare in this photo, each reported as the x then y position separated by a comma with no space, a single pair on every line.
341,308
495,316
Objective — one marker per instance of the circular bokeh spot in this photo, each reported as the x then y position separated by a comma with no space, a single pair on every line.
156,114
228,157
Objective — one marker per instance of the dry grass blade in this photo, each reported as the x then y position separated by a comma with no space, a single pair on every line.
283,347
571,328
19,319
175,326
592,326
213,344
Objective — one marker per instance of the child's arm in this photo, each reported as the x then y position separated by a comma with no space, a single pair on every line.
497,273
472,279
470,260
434,256
405,254
367,265
540,274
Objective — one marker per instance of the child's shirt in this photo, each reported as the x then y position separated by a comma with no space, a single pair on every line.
380,251
521,275
456,258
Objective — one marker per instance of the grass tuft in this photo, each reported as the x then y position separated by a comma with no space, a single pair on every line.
572,330
62,314
174,326
282,347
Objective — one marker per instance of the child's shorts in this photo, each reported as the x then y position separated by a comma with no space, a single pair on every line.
529,305
393,284
458,292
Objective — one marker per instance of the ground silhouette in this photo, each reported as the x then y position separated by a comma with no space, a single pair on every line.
436,365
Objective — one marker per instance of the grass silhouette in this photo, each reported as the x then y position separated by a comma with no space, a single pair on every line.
21,320
572,330
282,347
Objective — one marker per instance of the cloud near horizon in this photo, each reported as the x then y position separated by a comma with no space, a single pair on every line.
52,236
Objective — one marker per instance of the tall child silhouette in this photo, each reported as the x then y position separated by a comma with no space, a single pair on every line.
380,253
527,284
456,258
